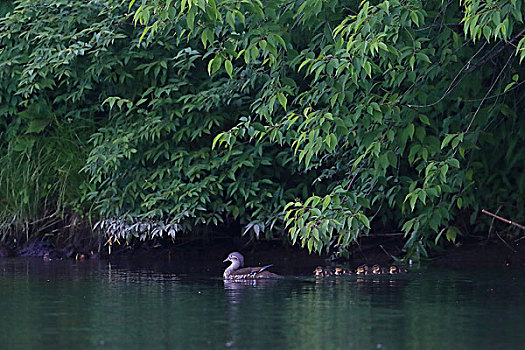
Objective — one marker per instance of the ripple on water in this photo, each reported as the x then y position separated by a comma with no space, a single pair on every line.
101,305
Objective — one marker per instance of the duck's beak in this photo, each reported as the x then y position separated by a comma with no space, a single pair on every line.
227,259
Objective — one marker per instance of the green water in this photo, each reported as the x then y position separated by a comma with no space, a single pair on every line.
97,305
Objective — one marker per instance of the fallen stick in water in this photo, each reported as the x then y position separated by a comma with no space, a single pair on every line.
503,219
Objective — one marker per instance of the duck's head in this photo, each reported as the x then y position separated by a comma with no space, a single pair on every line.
376,269
361,270
393,269
236,259
319,271
338,270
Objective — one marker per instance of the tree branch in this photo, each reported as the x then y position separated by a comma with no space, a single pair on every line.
482,62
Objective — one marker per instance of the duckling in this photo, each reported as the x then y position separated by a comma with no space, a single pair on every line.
322,272
318,272
363,270
46,257
394,269
339,271
328,272
378,270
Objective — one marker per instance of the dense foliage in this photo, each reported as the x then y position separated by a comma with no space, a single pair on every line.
321,120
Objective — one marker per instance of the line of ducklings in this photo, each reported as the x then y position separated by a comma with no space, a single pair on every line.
360,270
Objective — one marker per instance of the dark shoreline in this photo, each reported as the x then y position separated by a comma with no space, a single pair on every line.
194,255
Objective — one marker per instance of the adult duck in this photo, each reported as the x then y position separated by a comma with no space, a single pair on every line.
237,271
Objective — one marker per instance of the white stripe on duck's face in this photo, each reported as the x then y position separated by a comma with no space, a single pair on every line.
236,259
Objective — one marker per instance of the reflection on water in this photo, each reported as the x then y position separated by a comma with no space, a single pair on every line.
98,305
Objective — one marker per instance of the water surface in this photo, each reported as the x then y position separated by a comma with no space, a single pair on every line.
101,305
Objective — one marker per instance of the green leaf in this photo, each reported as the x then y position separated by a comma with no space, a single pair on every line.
326,202
411,62
413,200
308,157
364,220
447,139
509,85
216,139
422,57
454,162
228,67
36,126
230,19
443,172
414,17
410,130
282,100
190,19
368,68
315,233
487,33
254,52
383,161
333,141
214,64
258,127
452,233
279,39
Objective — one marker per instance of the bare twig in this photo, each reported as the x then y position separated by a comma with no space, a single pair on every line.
387,253
504,241
497,95
484,98
480,63
503,219
393,234
454,82
492,224
361,251
440,25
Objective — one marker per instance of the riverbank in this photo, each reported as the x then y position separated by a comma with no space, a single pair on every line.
198,254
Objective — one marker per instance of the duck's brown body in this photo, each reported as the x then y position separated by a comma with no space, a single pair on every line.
236,271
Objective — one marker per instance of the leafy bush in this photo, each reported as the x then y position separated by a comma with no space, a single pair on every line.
323,120
385,102
49,66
